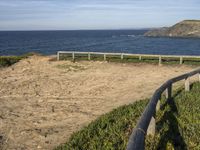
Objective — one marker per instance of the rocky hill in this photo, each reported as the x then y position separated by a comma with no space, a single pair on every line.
186,28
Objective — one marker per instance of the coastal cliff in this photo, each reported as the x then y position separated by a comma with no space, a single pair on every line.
186,28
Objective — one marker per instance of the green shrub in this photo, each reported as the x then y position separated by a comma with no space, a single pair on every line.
6,61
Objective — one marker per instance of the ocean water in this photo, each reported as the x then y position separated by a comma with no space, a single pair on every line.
127,41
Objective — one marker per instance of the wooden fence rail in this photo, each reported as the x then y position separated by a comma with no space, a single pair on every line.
122,55
146,124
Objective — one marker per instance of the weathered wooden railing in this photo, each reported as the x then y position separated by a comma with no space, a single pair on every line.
146,124
122,55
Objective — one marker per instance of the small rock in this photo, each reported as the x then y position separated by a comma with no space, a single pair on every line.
39,147
40,101
53,109
1,138
24,69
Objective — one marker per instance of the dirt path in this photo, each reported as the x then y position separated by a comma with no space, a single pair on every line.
43,102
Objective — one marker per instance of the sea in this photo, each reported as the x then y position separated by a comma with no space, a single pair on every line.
123,41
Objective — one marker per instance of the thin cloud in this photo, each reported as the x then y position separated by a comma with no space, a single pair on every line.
78,14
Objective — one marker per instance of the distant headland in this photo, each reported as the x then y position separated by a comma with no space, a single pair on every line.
186,28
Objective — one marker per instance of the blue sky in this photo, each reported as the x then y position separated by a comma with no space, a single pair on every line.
94,14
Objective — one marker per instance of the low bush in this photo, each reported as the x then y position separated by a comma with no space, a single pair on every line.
6,61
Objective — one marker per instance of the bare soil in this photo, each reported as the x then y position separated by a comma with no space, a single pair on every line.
43,102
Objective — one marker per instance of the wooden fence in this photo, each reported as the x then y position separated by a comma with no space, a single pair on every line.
146,124
121,56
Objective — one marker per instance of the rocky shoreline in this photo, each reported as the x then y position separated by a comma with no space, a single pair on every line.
186,28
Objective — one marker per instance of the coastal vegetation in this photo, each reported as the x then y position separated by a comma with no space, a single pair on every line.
186,28
178,125
6,61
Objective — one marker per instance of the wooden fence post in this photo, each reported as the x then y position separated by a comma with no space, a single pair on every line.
58,56
73,56
158,106
104,56
169,92
122,56
187,84
140,57
181,60
89,56
160,60
152,127
199,76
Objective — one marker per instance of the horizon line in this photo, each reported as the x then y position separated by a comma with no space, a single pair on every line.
81,29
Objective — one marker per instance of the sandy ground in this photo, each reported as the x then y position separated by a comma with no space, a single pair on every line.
43,102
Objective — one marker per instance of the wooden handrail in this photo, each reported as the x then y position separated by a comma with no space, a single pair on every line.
137,138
